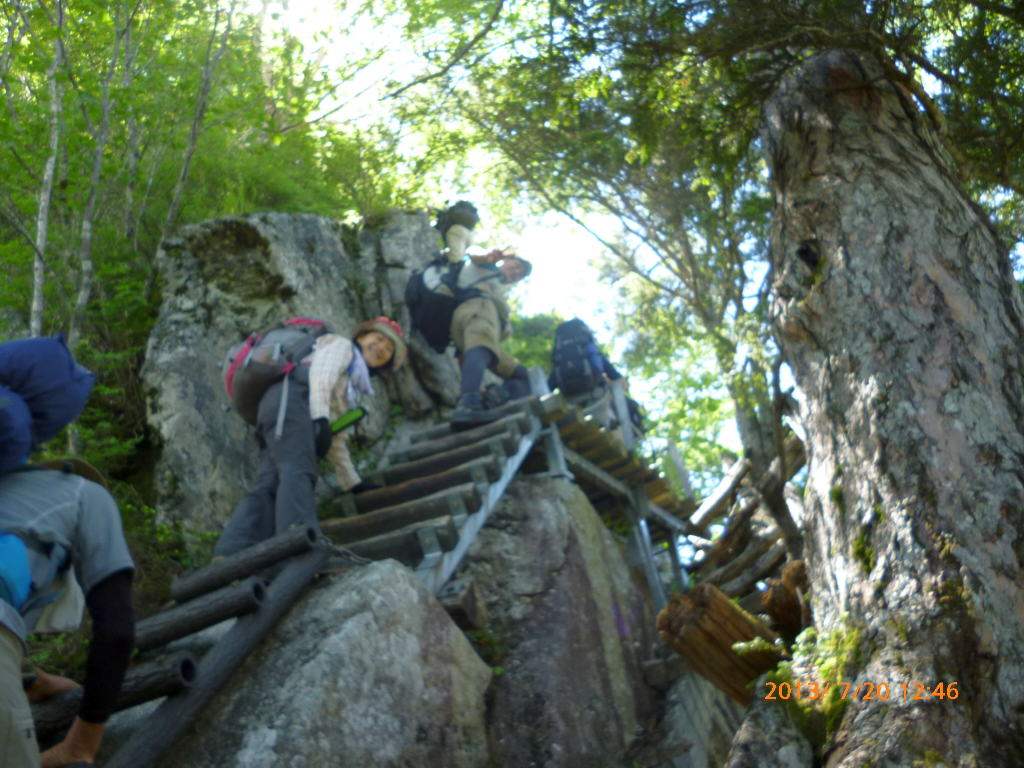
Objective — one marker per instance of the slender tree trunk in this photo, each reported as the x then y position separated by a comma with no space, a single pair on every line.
15,31
754,419
895,304
157,155
209,71
46,188
89,212
134,140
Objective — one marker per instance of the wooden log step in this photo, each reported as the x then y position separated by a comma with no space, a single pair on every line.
460,500
422,450
762,568
758,546
242,564
715,504
528,404
143,683
501,445
199,613
482,470
593,440
657,486
407,545
736,525
553,407
615,455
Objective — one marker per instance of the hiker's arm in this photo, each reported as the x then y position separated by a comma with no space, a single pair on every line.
488,258
113,637
331,358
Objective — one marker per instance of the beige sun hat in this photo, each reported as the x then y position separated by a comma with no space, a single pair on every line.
393,331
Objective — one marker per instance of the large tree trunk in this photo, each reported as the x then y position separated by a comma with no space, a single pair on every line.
896,306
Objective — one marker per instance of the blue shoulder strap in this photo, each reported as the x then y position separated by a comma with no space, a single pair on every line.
60,561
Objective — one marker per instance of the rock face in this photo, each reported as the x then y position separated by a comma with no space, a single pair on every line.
569,628
769,739
224,279
698,713
366,670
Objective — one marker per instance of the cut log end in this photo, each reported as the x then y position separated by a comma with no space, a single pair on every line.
703,625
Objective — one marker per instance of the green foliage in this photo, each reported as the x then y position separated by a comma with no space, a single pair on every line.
490,646
821,659
533,338
863,552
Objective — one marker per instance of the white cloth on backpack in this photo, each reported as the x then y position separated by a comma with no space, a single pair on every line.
458,238
65,613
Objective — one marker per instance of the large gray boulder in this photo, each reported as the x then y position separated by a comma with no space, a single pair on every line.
366,670
226,278
568,625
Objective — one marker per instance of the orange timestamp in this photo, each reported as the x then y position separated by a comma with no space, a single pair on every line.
865,691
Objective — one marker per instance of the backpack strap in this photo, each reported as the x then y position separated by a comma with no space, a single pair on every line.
60,560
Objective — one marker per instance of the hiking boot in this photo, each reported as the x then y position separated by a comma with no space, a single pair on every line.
470,413
494,396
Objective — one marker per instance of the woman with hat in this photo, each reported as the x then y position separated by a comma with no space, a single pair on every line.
340,372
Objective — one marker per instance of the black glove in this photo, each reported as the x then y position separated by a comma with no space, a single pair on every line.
322,436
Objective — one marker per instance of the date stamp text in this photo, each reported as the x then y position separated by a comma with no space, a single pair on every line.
863,691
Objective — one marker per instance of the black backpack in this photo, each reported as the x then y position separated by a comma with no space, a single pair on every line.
571,370
432,309
463,212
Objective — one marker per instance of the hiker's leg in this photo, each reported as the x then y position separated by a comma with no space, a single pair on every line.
476,329
253,520
18,747
518,384
344,469
478,360
294,455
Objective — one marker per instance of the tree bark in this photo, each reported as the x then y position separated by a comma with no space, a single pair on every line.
46,188
895,304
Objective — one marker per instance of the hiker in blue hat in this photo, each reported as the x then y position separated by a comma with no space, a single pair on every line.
61,544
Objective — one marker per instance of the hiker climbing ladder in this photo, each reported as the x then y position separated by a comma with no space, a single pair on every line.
437,492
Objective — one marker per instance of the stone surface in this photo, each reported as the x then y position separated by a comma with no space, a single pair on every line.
576,627
769,739
698,713
366,670
226,278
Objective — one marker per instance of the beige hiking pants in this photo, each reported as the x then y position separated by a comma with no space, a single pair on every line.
18,747
476,323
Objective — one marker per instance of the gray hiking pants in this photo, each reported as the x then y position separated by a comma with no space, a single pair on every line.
283,493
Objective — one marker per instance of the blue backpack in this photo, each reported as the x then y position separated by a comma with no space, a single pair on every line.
15,431
15,576
42,390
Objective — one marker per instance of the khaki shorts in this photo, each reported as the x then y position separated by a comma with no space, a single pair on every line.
476,323
18,747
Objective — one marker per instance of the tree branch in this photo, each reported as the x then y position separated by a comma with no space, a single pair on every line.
456,57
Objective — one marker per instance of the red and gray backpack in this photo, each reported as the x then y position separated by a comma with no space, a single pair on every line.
264,359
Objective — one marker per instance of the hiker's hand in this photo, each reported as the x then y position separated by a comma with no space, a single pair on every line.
495,256
47,685
80,745
322,437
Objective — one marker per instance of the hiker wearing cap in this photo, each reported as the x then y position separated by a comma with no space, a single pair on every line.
479,325
61,545
339,373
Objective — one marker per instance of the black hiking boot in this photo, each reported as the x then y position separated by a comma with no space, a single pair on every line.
470,413
494,396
